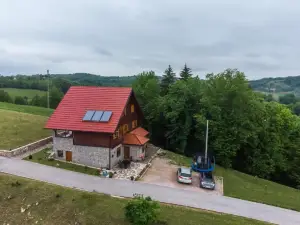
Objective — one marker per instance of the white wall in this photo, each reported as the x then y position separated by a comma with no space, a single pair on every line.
136,152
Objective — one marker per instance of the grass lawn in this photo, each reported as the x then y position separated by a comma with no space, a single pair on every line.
17,129
41,157
50,204
26,109
244,186
29,93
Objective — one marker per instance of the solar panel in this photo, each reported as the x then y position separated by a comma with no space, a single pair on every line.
88,115
97,116
106,116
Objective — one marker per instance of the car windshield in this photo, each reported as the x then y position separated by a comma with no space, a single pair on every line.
185,172
185,175
208,177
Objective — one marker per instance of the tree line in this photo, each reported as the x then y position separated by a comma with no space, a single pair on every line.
246,132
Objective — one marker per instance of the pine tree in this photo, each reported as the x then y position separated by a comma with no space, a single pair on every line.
186,72
168,79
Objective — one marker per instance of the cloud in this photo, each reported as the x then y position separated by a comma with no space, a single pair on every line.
126,37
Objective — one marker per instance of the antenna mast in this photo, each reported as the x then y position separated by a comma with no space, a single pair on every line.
48,92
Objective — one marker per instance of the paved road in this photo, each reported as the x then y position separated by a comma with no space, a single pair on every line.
163,194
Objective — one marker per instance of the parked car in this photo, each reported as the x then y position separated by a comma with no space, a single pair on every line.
184,175
207,180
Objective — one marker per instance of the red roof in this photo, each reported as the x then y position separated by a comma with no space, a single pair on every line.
72,108
136,137
133,139
140,131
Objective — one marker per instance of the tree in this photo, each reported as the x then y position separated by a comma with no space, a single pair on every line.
179,107
4,97
230,104
287,99
296,108
55,97
168,78
186,72
20,100
142,211
269,98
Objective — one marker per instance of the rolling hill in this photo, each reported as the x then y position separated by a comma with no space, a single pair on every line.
278,85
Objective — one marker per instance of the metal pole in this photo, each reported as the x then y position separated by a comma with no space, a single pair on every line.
48,92
206,141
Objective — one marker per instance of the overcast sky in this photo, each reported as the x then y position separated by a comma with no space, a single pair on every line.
125,37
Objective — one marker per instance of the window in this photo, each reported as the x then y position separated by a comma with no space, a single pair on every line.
143,149
63,133
132,108
118,151
60,153
116,135
134,124
125,128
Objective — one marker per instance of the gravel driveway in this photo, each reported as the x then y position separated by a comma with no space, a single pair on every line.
163,173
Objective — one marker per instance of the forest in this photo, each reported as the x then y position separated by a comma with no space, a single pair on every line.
248,131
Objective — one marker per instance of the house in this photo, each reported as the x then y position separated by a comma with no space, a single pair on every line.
98,126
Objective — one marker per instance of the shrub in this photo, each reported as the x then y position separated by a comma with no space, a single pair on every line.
57,195
142,211
30,156
15,184
110,174
126,163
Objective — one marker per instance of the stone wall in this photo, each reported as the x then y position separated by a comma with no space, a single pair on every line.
26,148
86,155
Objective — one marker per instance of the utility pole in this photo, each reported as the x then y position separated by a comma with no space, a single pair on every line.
206,141
48,92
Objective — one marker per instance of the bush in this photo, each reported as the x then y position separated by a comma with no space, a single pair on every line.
110,174
142,211
15,184
126,163
30,157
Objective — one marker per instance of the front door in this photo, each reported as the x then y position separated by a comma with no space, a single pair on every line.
68,156
126,152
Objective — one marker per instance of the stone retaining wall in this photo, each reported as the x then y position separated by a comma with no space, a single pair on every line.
26,148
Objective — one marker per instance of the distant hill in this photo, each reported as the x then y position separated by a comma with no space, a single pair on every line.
278,85
96,80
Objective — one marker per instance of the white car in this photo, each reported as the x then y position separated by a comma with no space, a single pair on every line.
184,175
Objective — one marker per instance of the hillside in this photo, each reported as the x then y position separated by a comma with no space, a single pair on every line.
20,125
49,204
29,93
26,109
280,85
